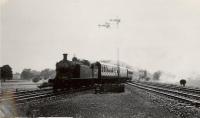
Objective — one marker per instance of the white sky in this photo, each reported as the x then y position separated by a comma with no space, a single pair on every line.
152,34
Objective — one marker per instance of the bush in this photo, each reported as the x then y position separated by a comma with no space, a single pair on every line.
36,79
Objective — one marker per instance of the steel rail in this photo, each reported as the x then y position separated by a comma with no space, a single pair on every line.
41,94
184,98
196,96
174,87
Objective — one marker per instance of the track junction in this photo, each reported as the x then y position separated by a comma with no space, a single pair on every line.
182,94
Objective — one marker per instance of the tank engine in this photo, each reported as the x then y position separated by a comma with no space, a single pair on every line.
76,74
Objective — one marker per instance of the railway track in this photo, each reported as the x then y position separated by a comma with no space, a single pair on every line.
21,91
9,93
181,95
24,96
175,87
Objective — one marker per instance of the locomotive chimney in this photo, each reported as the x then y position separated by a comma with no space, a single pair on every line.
64,56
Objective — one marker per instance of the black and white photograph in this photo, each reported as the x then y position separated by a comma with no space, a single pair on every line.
100,58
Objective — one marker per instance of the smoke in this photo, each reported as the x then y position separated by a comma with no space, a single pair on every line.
192,79
168,78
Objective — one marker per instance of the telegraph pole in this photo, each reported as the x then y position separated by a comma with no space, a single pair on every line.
1,85
118,69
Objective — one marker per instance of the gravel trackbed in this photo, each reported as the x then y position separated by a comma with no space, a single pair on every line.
134,103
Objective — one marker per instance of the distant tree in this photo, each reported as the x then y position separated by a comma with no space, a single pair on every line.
182,82
0,74
147,78
6,73
47,73
44,73
35,73
26,74
156,75
36,79
29,74
142,74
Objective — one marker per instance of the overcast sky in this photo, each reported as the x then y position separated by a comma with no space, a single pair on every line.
153,34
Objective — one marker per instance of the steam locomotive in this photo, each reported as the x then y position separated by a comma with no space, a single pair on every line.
76,74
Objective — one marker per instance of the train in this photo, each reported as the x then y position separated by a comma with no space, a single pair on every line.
77,74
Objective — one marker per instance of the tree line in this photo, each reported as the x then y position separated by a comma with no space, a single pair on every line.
145,75
44,74
28,74
6,73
